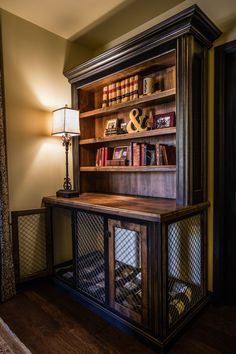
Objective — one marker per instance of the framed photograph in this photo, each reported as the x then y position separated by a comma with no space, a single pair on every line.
123,126
112,124
120,153
163,120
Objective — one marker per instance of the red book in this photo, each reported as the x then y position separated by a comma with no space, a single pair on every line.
109,95
97,157
108,154
105,96
102,156
113,94
136,154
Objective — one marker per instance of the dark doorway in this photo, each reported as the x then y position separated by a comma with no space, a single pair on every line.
225,174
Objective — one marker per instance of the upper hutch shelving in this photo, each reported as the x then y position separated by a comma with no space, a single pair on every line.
142,261
178,48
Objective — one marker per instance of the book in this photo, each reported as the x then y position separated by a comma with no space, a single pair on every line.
143,160
150,155
105,97
130,154
136,154
97,157
118,92
169,154
113,94
108,154
159,156
102,157
131,87
137,86
127,90
122,90
109,95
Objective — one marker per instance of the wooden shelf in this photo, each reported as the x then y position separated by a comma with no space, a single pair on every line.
145,100
149,133
163,168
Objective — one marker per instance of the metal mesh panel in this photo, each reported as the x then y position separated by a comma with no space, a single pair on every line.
184,266
32,244
90,254
128,288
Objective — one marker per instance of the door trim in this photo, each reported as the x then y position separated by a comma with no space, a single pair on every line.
219,247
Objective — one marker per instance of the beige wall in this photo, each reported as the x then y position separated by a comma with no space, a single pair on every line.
223,14
34,60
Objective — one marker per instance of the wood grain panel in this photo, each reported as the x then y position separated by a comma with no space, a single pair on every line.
150,209
143,101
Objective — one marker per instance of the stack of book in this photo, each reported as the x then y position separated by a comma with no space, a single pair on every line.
103,155
122,91
165,154
140,154
143,154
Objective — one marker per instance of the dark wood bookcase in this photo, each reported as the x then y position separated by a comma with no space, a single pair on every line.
139,232
181,43
152,181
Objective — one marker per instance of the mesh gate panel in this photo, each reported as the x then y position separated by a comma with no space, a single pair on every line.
90,267
32,244
184,266
128,288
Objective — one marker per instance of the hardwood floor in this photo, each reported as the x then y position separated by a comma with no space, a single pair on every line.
48,322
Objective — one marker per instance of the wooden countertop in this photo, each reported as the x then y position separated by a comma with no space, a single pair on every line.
141,208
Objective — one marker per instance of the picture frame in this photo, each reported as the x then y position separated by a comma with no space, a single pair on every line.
112,124
120,153
163,120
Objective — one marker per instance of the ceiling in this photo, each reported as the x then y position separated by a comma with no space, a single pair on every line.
89,22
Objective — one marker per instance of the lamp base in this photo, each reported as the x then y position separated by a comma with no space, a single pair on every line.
67,194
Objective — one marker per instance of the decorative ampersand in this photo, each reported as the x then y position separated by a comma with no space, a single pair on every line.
137,123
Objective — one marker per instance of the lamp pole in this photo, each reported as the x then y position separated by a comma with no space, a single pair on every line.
66,141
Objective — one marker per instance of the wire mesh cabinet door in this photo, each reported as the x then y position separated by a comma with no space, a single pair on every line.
186,257
128,269
32,244
89,255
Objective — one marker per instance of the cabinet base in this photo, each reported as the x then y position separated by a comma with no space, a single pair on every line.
160,345
67,194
